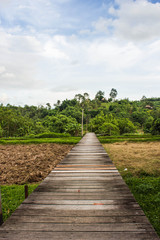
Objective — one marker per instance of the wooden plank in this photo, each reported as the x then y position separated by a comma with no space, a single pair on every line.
59,227
85,171
85,154
44,210
91,165
79,196
113,187
88,191
86,178
108,195
41,235
50,201
108,208
78,220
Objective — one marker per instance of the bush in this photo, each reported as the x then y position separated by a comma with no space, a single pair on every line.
52,135
109,129
156,127
126,126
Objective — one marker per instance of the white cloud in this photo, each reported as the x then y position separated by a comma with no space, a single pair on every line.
18,61
4,99
8,75
64,88
51,51
137,20
102,25
2,69
114,55
53,48
39,14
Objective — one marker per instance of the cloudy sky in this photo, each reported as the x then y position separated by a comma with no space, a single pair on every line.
54,49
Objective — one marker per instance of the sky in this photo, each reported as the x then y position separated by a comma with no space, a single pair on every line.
54,49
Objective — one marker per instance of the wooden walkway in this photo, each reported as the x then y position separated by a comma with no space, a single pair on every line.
84,197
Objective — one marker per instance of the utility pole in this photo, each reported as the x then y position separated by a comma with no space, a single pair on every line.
82,121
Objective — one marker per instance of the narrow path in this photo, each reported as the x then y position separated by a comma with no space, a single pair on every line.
83,198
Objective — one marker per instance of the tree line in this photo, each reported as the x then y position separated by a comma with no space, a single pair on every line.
101,115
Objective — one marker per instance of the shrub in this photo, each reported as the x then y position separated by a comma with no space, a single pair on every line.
109,129
156,127
52,135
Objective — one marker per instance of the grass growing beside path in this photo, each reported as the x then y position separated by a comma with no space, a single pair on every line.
12,197
146,191
62,140
139,165
129,138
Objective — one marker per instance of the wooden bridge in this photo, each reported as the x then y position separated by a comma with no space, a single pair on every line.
83,198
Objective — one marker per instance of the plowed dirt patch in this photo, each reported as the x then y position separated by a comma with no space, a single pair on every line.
20,164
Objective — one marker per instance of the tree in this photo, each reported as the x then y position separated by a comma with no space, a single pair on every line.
148,125
126,126
109,129
39,128
79,97
86,96
113,93
156,127
143,98
140,116
1,131
58,123
99,95
73,128
49,106
73,112
58,103
96,122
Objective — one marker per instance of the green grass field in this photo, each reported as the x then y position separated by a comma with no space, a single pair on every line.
12,196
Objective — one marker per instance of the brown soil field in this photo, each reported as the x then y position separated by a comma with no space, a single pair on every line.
20,164
136,158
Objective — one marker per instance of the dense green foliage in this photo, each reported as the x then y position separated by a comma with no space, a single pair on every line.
146,191
12,196
101,115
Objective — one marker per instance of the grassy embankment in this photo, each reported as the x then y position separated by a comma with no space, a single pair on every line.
139,165
60,138
129,138
12,197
